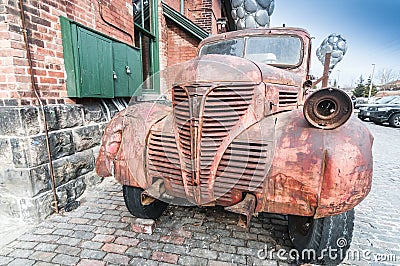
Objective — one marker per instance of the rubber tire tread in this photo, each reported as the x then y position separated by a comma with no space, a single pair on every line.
324,235
132,198
391,120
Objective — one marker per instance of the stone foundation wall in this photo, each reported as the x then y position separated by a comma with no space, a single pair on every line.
75,133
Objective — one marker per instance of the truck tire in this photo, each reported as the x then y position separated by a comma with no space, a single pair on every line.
132,198
324,240
394,120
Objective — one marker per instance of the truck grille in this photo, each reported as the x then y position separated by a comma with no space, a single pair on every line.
287,97
206,119
164,161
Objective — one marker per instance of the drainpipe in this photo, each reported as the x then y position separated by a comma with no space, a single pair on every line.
34,87
183,7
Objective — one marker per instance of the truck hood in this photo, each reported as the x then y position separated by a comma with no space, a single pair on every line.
215,69
226,68
274,75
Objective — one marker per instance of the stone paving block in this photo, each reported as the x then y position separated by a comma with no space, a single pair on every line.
46,247
203,253
91,245
164,257
145,226
117,259
21,253
92,254
232,241
5,260
90,215
42,263
84,227
64,249
143,262
139,252
223,247
220,263
176,249
19,262
190,261
103,238
65,226
65,259
69,241
194,243
114,248
88,262
177,240
128,241
232,258
148,244
42,256
63,232
83,235
23,244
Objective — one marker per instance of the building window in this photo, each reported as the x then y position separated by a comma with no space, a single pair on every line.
146,37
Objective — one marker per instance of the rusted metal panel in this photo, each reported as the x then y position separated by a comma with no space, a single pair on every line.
311,173
124,143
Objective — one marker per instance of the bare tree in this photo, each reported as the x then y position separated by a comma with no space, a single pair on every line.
386,76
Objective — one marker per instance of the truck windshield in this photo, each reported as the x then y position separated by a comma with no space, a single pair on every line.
275,50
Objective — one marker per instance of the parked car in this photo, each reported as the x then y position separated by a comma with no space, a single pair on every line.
384,113
357,102
363,114
241,133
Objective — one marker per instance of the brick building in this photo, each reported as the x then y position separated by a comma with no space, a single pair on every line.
79,62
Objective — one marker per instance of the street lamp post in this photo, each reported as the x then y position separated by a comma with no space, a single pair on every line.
370,85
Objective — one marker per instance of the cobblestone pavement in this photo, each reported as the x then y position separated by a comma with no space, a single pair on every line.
99,231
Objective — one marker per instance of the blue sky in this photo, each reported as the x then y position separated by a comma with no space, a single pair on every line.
371,28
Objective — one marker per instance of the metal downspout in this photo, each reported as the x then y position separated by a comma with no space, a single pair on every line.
183,7
34,87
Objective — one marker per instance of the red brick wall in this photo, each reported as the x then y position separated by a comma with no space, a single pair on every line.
178,45
43,23
199,11
182,46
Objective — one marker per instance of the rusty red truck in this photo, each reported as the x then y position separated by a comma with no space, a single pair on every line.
242,131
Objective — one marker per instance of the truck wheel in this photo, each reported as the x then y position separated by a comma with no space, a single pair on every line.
395,120
324,240
132,197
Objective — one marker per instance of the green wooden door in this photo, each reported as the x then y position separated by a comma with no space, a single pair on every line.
96,70
128,70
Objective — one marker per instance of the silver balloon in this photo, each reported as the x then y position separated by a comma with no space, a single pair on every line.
252,13
262,17
264,3
334,44
250,22
250,6
240,12
236,3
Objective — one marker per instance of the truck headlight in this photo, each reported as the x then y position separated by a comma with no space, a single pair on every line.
328,108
